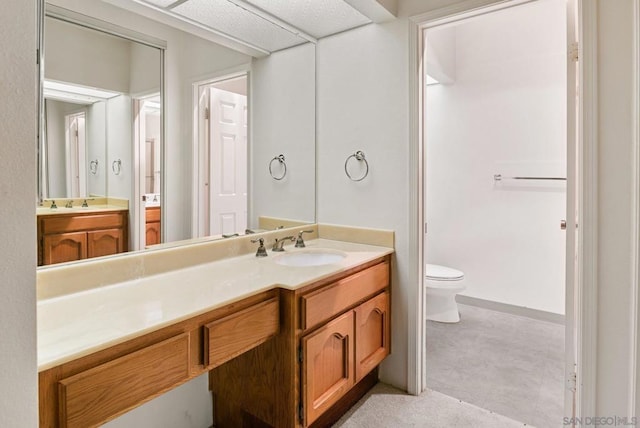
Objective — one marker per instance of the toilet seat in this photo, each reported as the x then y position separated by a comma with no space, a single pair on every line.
442,273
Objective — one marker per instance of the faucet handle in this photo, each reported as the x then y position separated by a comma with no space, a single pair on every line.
53,205
85,204
300,242
262,252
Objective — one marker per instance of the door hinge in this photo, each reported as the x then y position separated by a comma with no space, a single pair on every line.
574,52
301,412
572,382
206,113
425,228
300,354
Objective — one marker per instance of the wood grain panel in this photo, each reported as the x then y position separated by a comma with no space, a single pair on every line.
78,222
372,334
105,242
229,337
322,304
152,214
99,394
328,371
64,247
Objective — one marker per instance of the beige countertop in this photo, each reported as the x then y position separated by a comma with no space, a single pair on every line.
77,324
79,209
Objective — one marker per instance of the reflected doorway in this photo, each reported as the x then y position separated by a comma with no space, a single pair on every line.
223,161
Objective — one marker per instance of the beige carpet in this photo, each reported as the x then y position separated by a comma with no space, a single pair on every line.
385,406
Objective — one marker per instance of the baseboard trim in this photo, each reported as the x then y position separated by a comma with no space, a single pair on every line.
535,314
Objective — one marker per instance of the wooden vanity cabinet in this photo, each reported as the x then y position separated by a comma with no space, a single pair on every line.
91,390
333,335
152,226
76,236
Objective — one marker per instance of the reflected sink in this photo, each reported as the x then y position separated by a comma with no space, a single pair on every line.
310,258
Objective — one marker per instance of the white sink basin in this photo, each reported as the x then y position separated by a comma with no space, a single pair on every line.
310,258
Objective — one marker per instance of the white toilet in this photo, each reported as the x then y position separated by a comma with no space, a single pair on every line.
442,284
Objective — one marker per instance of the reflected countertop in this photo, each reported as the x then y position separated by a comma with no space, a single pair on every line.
79,209
77,324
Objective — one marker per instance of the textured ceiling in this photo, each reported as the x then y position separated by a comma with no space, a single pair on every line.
270,25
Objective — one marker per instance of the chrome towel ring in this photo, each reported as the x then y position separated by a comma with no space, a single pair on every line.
93,166
116,166
359,156
283,165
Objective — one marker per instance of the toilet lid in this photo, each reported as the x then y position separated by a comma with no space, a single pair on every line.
442,273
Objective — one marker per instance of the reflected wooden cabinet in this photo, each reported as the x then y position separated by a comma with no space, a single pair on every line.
152,230
76,236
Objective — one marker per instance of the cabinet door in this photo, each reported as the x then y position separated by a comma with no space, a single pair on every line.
152,233
372,334
105,242
64,247
328,358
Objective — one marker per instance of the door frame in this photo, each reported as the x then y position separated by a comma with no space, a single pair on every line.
199,150
584,302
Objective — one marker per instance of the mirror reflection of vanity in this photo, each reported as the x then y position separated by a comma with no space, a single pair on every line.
101,140
165,203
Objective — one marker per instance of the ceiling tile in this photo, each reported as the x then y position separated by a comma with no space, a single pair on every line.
318,18
237,22
160,3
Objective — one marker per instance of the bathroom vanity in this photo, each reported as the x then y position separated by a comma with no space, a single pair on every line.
66,235
285,346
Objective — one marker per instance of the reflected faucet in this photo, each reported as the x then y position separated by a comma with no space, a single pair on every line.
229,236
69,204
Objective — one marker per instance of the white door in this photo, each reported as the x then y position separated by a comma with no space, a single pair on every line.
75,144
227,162
572,260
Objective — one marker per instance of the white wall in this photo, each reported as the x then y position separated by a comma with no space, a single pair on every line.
362,101
615,215
119,147
505,113
97,148
282,108
86,57
18,388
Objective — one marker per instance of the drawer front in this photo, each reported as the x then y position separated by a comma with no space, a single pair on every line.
95,396
75,223
234,334
322,304
152,214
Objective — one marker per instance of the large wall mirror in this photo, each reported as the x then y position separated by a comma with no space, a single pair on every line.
129,123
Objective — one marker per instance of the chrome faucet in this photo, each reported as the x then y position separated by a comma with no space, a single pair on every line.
262,252
278,246
299,240
69,204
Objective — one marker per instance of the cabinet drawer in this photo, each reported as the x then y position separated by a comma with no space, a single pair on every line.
152,214
74,223
97,395
322,304
234,334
